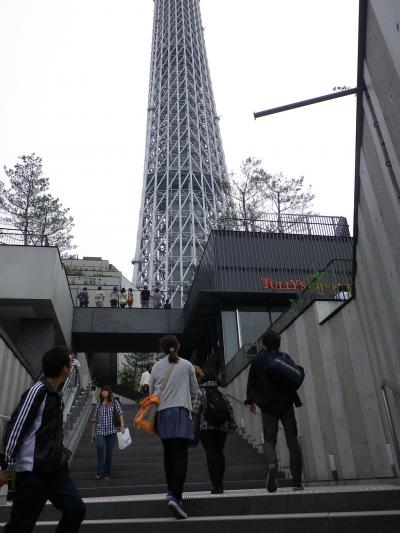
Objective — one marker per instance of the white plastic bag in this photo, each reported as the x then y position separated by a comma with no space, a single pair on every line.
124,439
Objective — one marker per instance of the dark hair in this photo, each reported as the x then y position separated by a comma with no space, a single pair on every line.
99,288
170,345
54,361
115,288
148,368
109,390
271,340
123,289
209,375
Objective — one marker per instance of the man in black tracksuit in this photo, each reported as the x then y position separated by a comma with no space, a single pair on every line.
33,447
276,403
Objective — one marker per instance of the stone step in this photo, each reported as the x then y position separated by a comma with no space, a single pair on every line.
243,503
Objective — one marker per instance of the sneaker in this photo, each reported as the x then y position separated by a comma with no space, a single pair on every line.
298,486
168,496
271,479
176,507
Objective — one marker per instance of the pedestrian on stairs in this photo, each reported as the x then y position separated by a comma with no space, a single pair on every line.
174,381
211,424
33,447
104,430
276,401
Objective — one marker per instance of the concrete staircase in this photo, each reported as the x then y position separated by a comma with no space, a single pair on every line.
134,499
139,469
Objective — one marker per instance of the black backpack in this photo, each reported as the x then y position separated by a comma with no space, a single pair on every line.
216,412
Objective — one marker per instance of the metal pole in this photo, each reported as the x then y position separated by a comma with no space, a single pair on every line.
303,103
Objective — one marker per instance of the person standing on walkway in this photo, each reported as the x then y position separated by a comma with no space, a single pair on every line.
104,430
33,447
83,297
144,382
114,297
145,297
212,425
123,298
173,379
130,297
276,401
157,299
99,297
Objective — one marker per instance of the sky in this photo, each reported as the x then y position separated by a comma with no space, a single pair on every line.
74,89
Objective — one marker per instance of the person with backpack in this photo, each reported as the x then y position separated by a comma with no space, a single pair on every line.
272,383
212,419
173,380
83,297
33,447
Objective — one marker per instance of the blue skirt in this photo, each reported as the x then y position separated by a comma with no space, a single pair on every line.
174,423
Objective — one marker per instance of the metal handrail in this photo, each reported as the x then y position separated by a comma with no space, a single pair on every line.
385,385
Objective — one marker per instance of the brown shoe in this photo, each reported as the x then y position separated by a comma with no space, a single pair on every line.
99,477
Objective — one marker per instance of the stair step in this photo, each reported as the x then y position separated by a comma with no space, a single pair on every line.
368,522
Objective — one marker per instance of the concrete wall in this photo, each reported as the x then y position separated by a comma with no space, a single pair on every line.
34,276
353,354
15,379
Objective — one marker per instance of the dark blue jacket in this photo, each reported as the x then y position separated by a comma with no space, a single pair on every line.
271,397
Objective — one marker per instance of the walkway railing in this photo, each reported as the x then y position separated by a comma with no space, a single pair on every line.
391,398
300,224
16,237
334,282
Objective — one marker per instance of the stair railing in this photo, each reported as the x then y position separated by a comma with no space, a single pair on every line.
4,489
241,423
385,387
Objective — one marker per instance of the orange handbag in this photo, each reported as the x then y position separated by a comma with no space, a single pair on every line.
147,413
145,419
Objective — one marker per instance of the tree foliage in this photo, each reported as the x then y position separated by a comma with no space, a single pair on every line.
255,194
133,364
27,205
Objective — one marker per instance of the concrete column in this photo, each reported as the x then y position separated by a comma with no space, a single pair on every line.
35,338
104,367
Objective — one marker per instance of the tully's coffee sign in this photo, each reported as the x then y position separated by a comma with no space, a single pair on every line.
300,285
283,285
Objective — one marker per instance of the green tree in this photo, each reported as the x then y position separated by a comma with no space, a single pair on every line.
27,206
133,364
245,198
284,196
256,195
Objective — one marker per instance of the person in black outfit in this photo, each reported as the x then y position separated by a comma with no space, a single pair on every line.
83,298
33,444
212,437
276,401
145,297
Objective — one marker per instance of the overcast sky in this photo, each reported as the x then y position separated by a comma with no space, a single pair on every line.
75,83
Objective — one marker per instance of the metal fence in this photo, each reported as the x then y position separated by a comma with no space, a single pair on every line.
15,237
300,224
334,282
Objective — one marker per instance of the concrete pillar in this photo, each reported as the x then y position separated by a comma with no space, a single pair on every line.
35,338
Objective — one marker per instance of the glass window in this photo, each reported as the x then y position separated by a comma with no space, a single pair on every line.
230,334
252,324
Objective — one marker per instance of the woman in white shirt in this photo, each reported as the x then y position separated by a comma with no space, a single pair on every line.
174,380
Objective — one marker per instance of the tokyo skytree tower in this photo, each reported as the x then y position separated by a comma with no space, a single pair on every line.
184,161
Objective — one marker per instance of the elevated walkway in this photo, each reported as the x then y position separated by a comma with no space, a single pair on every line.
123,330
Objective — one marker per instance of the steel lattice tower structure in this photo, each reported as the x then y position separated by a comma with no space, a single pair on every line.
184,161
